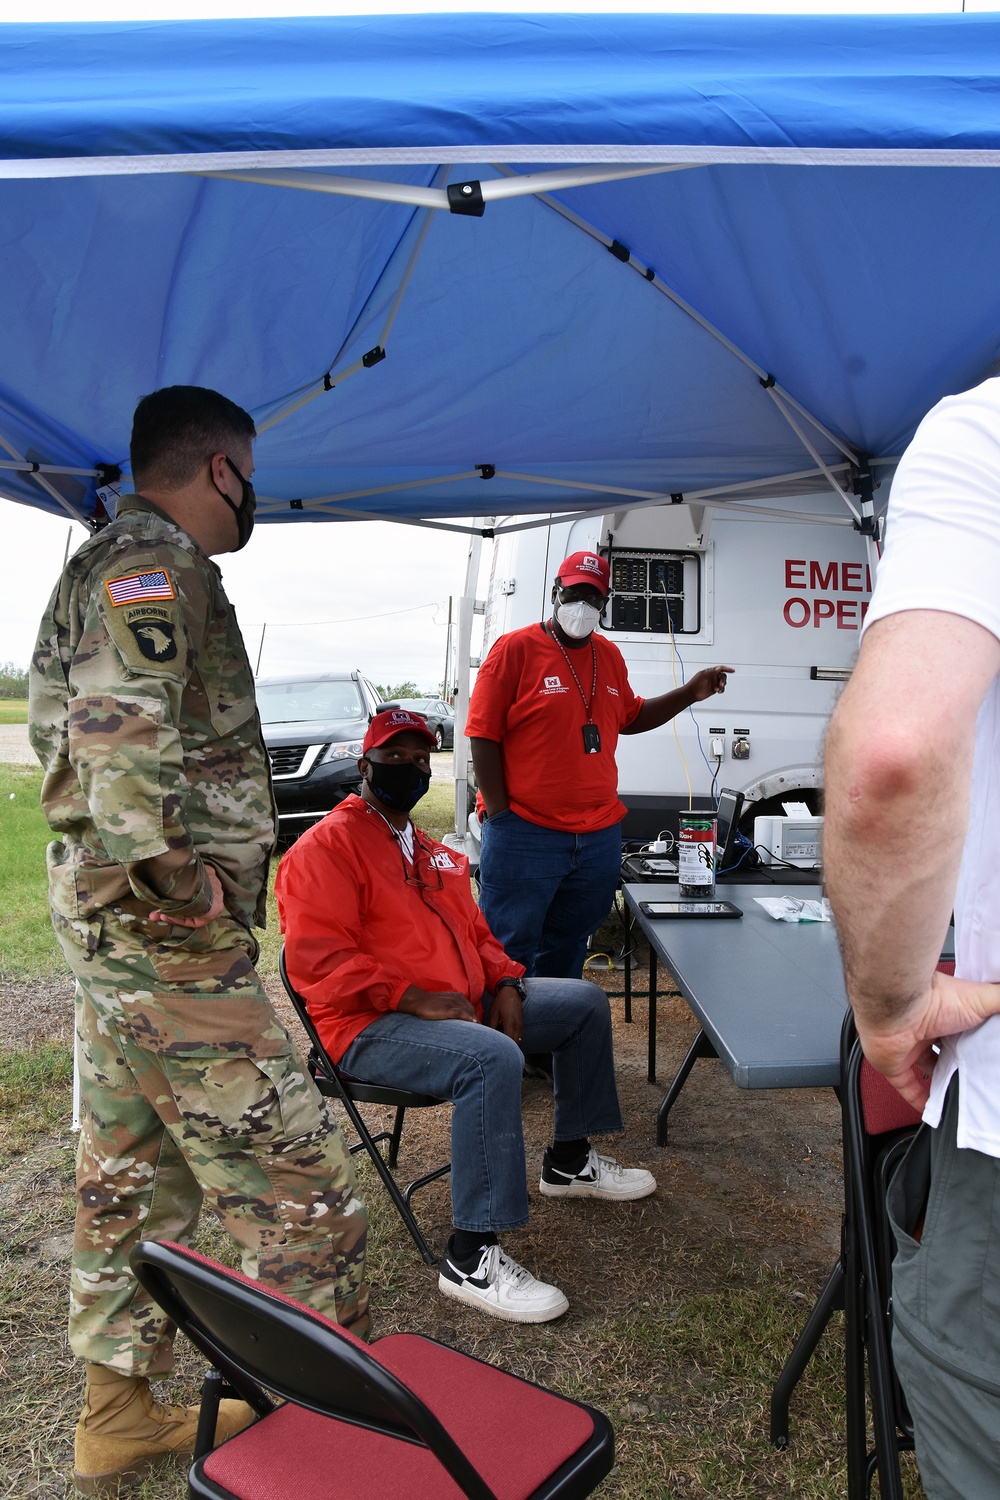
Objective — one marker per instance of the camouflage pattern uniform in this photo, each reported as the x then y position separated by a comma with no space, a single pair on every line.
142,713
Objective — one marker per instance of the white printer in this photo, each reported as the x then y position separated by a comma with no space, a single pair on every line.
796,838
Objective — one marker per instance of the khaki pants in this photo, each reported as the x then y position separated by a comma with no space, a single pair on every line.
191,1089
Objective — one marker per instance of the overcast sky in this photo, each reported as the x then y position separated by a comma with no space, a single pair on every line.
356,594
318,601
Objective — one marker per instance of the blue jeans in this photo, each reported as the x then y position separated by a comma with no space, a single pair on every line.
543,891
479,1070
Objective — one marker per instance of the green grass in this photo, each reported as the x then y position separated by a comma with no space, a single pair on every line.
32,1095
682,1364
435,813
13,710
28,947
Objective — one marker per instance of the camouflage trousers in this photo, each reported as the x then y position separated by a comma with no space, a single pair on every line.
191,1089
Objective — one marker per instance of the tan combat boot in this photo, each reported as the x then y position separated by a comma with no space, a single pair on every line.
123,1431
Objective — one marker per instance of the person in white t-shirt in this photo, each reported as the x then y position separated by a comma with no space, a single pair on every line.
913,831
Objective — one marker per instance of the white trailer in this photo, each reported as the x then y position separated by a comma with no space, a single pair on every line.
776,589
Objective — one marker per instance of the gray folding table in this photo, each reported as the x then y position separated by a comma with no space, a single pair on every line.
768,996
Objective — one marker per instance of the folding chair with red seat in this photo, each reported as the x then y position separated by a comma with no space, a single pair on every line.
351,1092
402,1418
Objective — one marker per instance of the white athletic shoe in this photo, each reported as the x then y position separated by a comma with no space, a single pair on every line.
601,1177
502,1288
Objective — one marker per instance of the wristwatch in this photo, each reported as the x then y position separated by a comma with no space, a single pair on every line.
515,984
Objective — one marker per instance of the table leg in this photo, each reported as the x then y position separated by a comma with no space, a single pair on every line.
700,1047
629,938
651,1066
829,1300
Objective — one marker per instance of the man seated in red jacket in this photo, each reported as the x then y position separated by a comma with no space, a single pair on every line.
408,987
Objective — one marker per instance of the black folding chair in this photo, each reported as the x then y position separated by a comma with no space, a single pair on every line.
351,1092
878,1128
403,1418
878,1125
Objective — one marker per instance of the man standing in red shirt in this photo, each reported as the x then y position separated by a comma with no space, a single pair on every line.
408,987
549,704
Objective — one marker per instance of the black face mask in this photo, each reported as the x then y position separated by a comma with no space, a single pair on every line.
244,512
399,787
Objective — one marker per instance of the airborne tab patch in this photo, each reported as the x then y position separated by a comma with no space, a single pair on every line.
133,586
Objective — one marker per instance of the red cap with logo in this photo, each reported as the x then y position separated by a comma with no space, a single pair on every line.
585,567
392,721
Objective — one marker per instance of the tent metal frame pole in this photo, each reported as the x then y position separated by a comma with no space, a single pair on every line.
330,506
467,609
803,439
648,274
526,185
657,497
23,466
35,472
330,379
372,515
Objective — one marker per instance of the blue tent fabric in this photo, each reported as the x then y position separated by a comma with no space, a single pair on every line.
418,81
836,220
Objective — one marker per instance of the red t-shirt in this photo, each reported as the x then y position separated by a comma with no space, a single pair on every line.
357,934
526,698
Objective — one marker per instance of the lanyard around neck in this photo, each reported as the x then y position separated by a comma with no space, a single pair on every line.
588,707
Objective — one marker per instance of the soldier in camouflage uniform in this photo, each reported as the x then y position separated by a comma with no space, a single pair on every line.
157,786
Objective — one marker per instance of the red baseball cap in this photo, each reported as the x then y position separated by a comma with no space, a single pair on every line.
392,721
586,567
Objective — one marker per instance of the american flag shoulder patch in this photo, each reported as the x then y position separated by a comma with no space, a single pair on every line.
133,586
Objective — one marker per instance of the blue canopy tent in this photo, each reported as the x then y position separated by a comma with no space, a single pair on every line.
389,238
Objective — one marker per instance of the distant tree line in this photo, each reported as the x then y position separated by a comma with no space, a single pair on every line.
14,680
401,690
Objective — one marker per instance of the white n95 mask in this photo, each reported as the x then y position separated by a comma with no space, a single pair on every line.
578,620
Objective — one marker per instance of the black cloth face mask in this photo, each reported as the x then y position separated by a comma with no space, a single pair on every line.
243,513
400,786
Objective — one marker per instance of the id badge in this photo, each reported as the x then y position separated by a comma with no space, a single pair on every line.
591,739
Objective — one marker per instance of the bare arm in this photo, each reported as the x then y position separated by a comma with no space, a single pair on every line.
898,775
660,710
487,763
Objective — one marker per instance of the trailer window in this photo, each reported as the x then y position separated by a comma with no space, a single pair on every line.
654,592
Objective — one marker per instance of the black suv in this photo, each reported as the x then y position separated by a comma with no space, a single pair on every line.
313,728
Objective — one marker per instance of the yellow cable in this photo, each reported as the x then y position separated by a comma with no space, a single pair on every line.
592,956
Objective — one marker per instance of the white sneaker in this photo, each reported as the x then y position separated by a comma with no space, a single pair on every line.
502,1288
601,1177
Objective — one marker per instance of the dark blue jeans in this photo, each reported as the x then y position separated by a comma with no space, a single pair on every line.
543,892
479,1070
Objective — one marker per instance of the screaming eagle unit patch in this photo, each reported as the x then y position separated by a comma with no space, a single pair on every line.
151,626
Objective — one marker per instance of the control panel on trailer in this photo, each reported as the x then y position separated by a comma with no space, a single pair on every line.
654,592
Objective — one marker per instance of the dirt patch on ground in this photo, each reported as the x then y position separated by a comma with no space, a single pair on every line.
682,1309
733,1153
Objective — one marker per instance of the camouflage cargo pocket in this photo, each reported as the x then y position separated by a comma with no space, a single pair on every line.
231,1066
207,960
78,937
266,1102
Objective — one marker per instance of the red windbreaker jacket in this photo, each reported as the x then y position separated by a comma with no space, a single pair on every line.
358,931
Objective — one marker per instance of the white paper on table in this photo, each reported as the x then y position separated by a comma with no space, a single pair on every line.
789,909
798,810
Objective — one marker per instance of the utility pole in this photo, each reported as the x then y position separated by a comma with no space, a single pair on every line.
446,680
